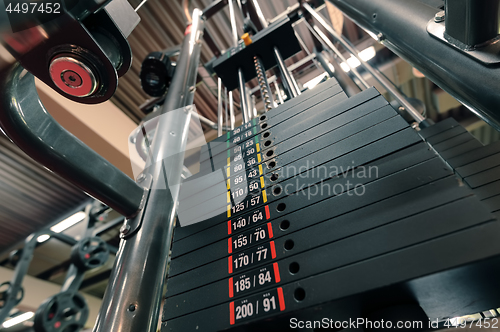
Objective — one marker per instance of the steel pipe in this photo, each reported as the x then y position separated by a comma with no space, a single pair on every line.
219,107
30,126
132,299
243,97
415,114
226,114
232,19
231,110
320,36
286,76
467,79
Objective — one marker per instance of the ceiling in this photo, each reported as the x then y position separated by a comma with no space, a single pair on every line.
162,26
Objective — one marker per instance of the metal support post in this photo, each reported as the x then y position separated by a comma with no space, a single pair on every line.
231,109
472,22
232,19
318,34
219,107
258,12
243,97
324,63
286,76
133,297
278,92
226,115
415,114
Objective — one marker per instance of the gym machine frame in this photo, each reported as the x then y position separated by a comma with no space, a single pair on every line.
132,300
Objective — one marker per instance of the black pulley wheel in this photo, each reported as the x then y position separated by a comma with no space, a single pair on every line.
89,253
65,312
5,294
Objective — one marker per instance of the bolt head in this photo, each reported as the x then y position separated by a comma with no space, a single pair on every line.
439,17
125,229
141,177
73,76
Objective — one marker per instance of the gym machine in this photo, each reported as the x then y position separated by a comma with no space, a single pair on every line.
420,243
67,309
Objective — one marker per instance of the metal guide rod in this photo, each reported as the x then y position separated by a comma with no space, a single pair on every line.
250,106
304,47
292,67
243,97
324,63
254,108
259,13
318,34
278,92
374,72
219,107
286,76
133,297
231,110
226,116
232,19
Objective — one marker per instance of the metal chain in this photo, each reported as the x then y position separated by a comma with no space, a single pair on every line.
262,83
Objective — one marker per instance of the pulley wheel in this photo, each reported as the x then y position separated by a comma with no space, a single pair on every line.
63,312
5,289
89,253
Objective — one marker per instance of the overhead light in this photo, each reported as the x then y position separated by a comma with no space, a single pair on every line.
332,68
68,222
18,319
368,53
353,62
43,238
345,67
312,83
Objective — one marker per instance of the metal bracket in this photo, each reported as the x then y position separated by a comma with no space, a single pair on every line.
487,53
132,225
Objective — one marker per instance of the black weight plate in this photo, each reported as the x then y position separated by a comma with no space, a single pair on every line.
90,253
364,273
426,172
329,132
65,311
383,212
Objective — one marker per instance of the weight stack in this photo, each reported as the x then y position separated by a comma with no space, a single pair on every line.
330,207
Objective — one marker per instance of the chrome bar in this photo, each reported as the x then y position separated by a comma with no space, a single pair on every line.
231,109
219,107
286,76
232,19
318,34
226,115
278,92
133,297
243,97
260,15
415,114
